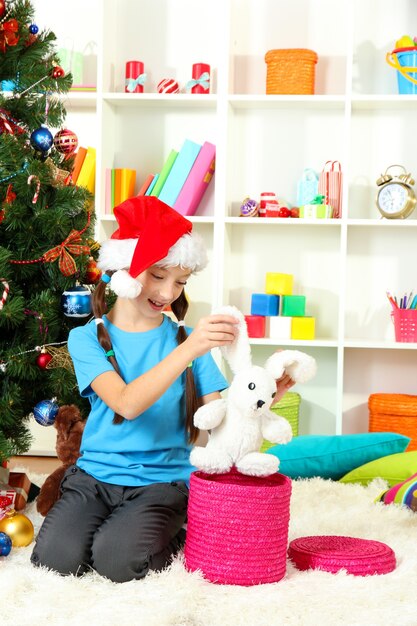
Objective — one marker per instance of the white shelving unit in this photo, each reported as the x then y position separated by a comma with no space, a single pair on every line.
263,143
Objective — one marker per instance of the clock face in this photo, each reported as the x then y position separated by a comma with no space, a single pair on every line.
392,198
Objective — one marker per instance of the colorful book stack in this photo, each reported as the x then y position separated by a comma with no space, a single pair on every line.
119,186
184,177
84,168
277,313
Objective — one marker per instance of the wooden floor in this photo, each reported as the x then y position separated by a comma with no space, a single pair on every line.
36,464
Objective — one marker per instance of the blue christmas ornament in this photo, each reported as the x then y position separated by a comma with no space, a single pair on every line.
5,544
76,302
45,412
41,139
33,29
8,85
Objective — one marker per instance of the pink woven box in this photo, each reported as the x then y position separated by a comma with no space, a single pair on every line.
237,531
332,553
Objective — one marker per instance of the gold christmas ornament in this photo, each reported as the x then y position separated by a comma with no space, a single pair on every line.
60,358
18,527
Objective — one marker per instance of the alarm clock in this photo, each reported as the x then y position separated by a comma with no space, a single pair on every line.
396,197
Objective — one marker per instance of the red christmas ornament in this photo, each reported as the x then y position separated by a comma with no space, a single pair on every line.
92,274
2,7
57,72
43,359
66,141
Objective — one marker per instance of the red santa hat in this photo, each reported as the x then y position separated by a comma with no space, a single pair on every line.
149,233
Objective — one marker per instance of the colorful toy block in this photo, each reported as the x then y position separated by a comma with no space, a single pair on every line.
264,304
293,306
279,284
303,327
256,326
278,327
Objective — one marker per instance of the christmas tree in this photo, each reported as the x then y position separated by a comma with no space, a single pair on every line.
45,231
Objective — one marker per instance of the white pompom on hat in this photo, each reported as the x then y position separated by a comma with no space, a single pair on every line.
150,233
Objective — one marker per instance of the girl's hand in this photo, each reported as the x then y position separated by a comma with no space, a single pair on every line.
212,331
283,384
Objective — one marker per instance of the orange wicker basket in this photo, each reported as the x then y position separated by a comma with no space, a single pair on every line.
394,412
290,71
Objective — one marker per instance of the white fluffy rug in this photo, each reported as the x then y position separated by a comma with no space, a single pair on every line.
178,598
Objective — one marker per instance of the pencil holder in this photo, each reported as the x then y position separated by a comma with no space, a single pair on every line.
405,324
237,529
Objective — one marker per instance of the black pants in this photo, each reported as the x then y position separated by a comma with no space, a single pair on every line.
121,532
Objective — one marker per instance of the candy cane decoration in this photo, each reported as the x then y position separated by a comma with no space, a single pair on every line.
5,292
31,178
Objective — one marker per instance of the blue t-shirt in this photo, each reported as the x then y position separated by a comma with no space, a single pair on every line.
152,447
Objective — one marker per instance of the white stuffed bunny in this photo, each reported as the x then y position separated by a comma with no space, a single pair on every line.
239,423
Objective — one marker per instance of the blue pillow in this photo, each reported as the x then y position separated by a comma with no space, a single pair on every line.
333,456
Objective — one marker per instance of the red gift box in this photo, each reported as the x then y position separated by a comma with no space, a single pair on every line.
9,495
20,483
134,69
200,71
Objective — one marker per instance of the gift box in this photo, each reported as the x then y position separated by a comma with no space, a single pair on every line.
316,209
20,483
7,492
4,474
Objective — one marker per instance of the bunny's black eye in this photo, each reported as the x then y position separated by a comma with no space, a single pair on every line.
273,395
251,386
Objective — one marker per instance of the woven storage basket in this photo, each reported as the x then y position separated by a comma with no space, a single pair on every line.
394,412
237,529
290,71
360,557
287,407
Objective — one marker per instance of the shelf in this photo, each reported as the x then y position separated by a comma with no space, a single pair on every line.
384,102
287,222
163,101
264,143
283,102
379,345
314,343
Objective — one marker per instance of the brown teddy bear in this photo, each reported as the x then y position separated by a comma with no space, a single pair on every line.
70,426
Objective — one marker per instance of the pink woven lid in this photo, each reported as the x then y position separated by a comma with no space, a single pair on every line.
331,553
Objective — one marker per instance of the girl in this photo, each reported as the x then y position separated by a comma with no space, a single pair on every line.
124,503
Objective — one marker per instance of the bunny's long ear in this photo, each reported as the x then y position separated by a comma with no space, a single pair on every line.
238,354
300,366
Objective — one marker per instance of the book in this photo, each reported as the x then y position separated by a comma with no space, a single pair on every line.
127,184
108,207
87,175
78,162
152,185
145,186
117,186
197,181
163,175
179,172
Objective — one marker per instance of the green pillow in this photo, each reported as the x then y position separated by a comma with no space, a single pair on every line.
394,469
332,456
